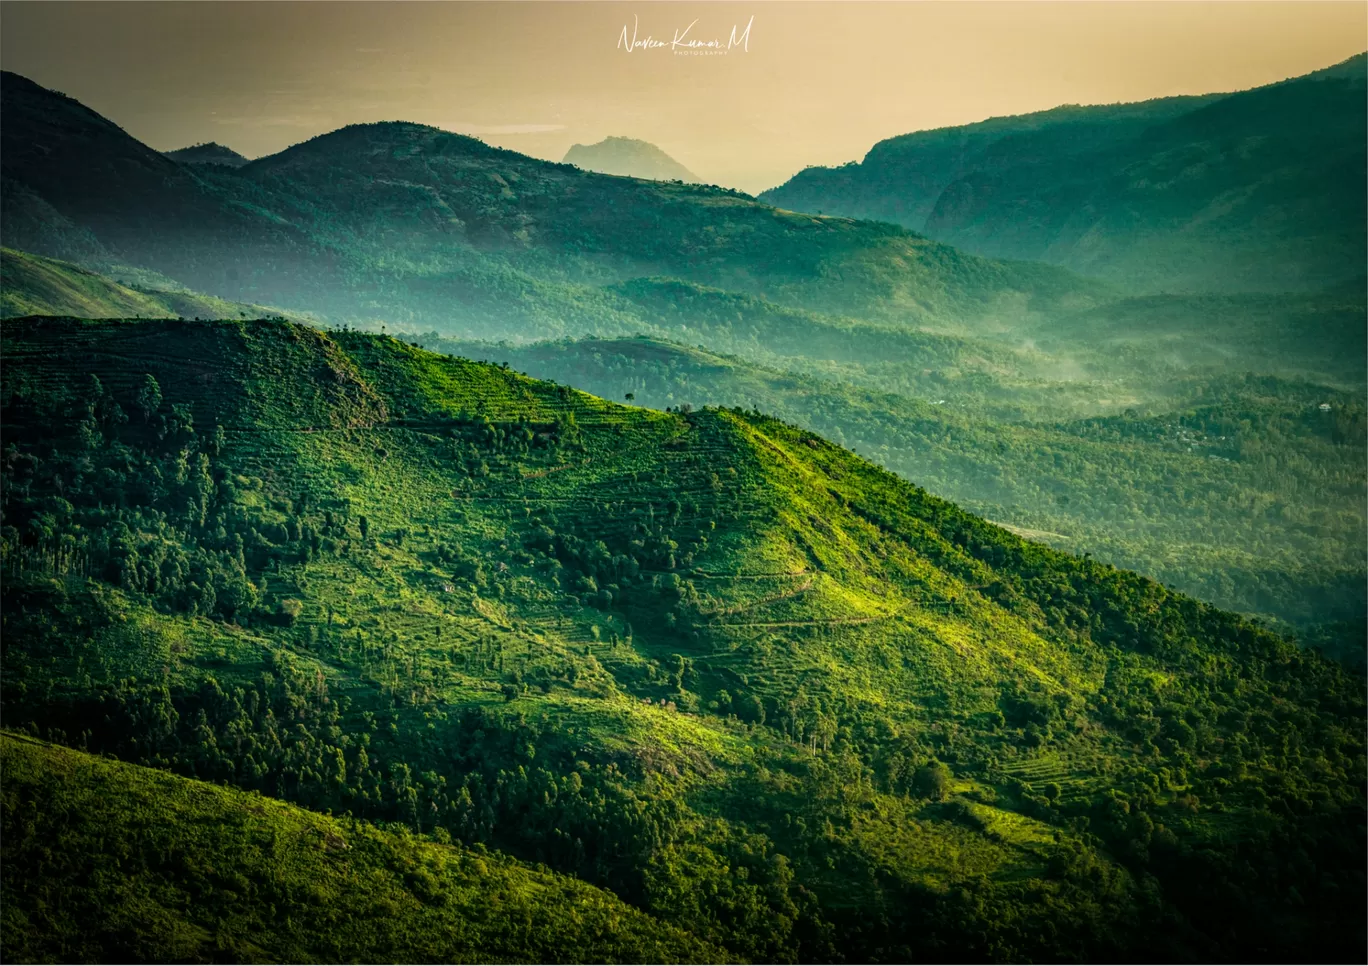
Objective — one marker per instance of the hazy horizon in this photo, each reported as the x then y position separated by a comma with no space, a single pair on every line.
810,84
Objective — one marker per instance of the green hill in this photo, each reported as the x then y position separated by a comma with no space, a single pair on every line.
1258,191
108,862
758,688
1245,494
33,285
1248,496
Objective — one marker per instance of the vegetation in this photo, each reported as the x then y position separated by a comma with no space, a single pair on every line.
1251,497
758,688
575,679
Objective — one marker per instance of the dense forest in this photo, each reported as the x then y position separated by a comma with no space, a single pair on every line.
756,687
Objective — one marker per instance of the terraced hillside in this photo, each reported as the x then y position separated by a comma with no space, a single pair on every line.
1248,494
755,686
108,862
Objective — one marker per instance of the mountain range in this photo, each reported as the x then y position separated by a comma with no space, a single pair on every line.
415,225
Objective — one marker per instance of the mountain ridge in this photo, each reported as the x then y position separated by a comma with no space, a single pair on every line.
1150,194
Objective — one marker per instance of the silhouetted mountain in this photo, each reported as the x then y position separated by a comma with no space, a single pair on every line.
1261,190
211,153
78,186
628,156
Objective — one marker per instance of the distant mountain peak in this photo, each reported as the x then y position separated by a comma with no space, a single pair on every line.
631,157
209,153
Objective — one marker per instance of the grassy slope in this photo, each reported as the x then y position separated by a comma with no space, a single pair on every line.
34,285
809,632
108,862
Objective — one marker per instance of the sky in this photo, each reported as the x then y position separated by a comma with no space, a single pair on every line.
809,83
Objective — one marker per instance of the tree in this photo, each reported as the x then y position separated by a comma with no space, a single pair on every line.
750,708
932,781
149,397
236,597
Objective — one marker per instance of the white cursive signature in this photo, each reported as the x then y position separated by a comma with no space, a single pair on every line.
682,41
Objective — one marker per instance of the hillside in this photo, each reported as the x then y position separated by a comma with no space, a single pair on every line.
108,862
1247,495
211,153
410,224
1237,490
630,157
758,688
1258,191
33,285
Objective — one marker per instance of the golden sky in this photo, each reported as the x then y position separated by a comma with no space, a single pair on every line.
819,84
